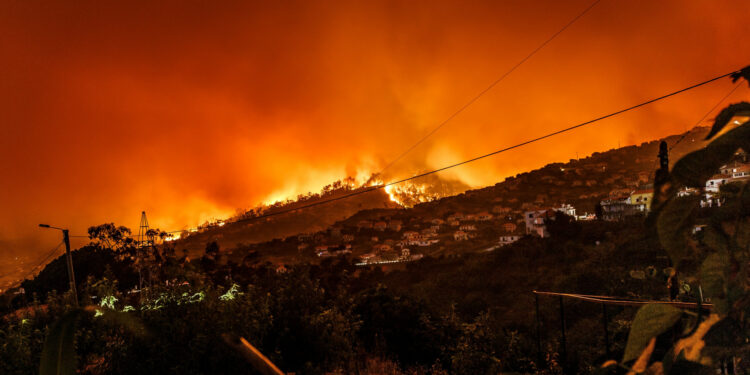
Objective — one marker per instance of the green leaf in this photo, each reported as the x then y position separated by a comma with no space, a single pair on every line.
715,239
675,222
650,321
714,274
58,353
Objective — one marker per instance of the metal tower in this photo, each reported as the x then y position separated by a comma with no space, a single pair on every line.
143,240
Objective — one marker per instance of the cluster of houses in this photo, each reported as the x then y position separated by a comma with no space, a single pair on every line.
732,172
624,203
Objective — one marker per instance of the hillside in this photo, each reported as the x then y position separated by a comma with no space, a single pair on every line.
252,230
352,224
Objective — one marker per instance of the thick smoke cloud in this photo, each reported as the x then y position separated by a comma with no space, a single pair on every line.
189,110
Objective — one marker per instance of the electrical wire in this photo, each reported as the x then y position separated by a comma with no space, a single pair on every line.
34,269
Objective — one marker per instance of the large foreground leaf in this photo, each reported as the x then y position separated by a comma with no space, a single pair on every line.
675,222
714,275
58,354
723,118
650,321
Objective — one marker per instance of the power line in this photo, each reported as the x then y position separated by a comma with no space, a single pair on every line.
43,261
488,88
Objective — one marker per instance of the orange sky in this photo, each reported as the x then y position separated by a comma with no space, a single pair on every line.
189,110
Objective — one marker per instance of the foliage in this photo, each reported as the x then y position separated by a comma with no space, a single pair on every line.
693,348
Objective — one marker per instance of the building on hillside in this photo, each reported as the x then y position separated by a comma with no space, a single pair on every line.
687,191
460,235
641,199
510,227
470,217
468,227
437,221
395,225
366,258
381,248
507,240
535,222
454,223
614,209
586,217
484,216
501,209
567,209
741,172
713,183
380,226
405,254
456,217
347,237
410,235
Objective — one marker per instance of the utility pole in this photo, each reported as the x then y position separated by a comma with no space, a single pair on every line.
71,274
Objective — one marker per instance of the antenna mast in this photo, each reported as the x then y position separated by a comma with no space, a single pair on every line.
143,240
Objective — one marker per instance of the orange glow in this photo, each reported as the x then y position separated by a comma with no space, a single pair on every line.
190,111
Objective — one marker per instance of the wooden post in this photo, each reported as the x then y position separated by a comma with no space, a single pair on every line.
71,274
539,357
606,330
564,359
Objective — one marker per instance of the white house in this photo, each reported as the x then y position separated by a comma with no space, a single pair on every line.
717,180
535,222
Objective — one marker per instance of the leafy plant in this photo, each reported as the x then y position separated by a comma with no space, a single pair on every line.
724,254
